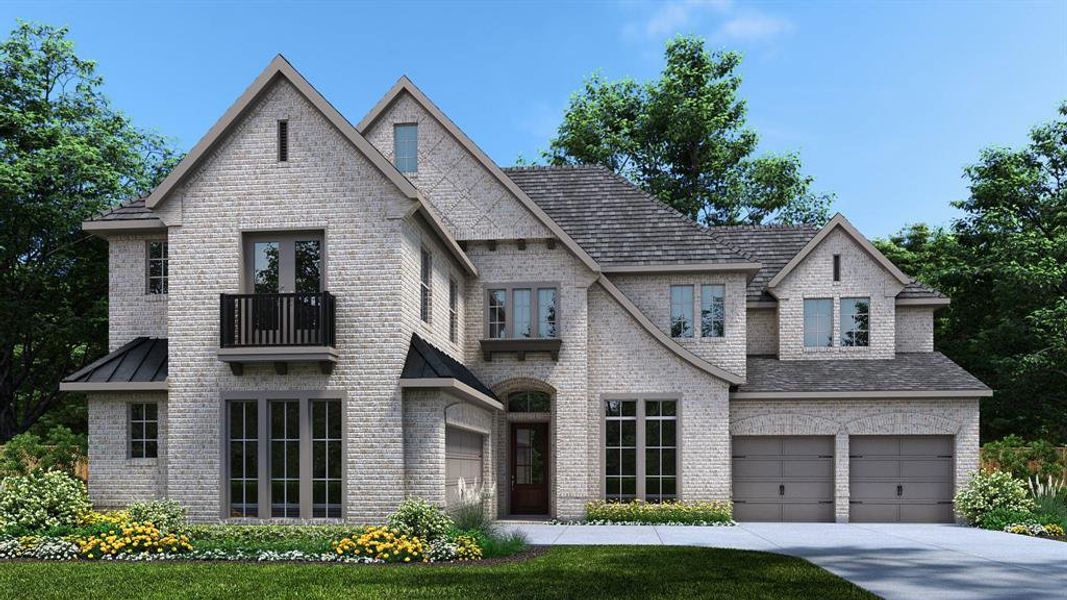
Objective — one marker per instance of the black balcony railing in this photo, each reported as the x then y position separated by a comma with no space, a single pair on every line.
264,320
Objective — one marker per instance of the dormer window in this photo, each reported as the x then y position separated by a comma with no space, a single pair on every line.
406,147
283,141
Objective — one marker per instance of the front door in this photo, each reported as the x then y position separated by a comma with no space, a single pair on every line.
529,468
283,278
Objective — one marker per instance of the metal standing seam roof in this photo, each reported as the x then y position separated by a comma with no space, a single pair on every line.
142,360
426,361
907,372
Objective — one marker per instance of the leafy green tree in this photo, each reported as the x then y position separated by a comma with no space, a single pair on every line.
683,139
1005,266
65,155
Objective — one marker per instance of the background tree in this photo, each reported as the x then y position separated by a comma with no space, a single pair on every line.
683,139
1005,266
65,155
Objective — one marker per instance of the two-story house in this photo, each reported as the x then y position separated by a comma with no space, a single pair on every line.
311,319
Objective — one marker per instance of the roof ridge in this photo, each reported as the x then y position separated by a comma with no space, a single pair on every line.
572,167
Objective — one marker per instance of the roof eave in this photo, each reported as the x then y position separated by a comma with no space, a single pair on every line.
837,395
113,386
923,301
452,386
681,267
104,228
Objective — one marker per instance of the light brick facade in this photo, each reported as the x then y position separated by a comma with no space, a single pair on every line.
395,440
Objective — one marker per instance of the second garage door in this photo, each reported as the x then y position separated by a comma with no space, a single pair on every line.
900,479
783,478
463,459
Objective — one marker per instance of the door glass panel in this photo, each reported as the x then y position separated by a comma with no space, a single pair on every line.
266,272
308,266
529,460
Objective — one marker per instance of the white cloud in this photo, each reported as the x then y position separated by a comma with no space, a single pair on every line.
753,27
659,20
677,15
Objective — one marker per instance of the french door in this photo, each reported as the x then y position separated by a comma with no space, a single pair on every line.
283,280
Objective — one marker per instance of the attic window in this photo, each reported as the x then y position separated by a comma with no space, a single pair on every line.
406,147
283,141
837,267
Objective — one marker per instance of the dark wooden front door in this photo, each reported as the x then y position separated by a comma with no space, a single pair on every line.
529,468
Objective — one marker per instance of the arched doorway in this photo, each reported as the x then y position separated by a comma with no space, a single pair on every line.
527,445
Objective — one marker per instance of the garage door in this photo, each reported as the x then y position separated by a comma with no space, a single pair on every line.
463,459
900,479
779,478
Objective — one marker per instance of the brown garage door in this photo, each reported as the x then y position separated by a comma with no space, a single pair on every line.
781,478
463,459
904,479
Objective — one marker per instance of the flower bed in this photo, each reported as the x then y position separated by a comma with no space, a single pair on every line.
714,513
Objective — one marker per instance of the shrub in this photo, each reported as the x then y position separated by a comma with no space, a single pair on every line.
694,513
41,500
1021,458
1001,517
167,515
132,538
257,535
1054,530
61,450
416,517
989,490
380,543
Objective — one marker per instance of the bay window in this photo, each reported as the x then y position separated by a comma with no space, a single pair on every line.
532,314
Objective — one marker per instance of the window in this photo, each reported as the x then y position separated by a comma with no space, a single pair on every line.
157,267
283,141
533,314
837,267
855,321
453,303
712,310
326,458
426,295
529,402
244,458
641,449
406,147
818,322
284,457
144,430
681,311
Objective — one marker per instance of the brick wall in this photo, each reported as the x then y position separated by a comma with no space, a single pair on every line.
915,329
131,311
762,331
115,479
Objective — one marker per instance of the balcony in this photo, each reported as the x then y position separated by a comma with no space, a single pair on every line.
278,329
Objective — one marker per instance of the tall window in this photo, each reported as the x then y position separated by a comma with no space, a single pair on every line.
144,430
453,306
712,310
533,313
855,321
426,291
620,449
837,267
157,267
285,458
818,322
283,141
244,458
406,147
681,311
661,450
326,458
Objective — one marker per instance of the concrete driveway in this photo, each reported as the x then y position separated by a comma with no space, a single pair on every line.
891,560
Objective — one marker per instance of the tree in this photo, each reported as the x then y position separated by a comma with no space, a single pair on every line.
683,139
1005,266
65,155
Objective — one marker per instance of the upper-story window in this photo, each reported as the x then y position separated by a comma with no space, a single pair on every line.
157,267
406,147
818,322
855,321
283,141
712,310
453,305
532,313
681,311
426,290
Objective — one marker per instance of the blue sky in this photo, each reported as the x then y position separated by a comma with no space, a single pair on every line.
885,102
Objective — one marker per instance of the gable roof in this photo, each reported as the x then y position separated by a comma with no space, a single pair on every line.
772,245
405,86
140,364
622,226
839,220
907,374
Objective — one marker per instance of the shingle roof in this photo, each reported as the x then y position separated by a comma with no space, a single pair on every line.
615,221
142,360
771,245
426,361
132,210
919,290
920,371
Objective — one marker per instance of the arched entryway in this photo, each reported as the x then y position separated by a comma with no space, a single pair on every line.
528,448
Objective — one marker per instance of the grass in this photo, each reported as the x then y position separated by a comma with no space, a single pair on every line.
646,572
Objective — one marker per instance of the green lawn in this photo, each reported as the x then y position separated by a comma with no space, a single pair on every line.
563,572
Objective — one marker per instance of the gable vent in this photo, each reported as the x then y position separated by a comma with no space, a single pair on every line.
283,141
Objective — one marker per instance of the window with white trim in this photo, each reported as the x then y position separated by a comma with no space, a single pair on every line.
855,321
712,310
641,449
406,147
144,430
818,322
157,267
681,311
